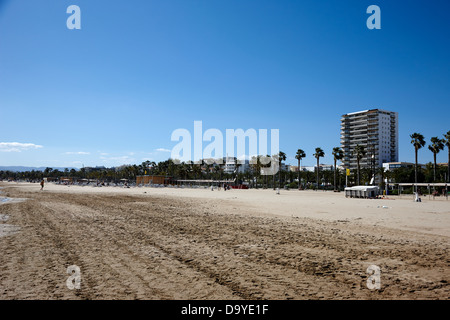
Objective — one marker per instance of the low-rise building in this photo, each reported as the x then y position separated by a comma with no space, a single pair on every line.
328,167
388,166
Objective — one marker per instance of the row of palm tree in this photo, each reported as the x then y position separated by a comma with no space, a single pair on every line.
195,171
360,152
187,171
338,154
319,153
205,170
436,145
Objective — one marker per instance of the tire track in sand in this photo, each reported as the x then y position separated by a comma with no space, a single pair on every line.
131,247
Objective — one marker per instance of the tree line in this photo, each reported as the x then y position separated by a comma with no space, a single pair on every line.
326,179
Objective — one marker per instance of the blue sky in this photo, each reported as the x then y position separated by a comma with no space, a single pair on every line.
113,92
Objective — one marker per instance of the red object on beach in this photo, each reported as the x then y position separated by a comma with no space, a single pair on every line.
241,186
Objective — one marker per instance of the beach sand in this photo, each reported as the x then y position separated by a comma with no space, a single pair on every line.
169,243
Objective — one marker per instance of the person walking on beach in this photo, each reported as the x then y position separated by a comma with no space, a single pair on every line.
42,184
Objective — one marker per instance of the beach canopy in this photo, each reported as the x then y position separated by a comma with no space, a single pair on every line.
362,188
362,192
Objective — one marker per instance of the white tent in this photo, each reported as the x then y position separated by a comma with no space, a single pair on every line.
362,192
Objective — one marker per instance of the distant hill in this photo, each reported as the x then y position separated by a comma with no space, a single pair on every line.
22,169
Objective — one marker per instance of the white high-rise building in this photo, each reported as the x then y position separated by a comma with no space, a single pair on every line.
376,130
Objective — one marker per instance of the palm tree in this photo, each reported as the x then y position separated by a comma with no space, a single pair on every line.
418,141
47,171
256,168
237,165
436,146
319,153
217,172
265,162
281,157
183,170
196,170
382,172
299,156
359,152
338,154
172,168
447,143
274,158
388,175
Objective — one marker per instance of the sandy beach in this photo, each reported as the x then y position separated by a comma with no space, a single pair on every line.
171,243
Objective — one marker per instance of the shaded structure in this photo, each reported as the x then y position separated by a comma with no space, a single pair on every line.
429,186
366,192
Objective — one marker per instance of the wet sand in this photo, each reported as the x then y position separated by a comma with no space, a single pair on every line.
161,243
